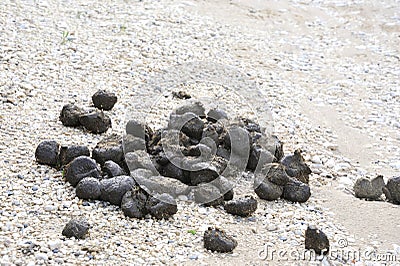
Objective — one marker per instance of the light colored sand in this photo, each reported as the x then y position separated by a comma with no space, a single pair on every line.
329,70
358,142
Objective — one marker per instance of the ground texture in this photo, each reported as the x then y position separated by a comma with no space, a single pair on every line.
328,70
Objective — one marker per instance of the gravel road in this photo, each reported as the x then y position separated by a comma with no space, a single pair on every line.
328,70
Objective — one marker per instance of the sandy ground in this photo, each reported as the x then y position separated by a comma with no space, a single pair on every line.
368,221
331,70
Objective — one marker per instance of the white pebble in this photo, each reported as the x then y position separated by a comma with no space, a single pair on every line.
330,163
202,210
59,260
50,208
298,232
183,198
271,227
53,244
395,165
41,256
316,159
316,166
331,146
342,167
69,242
5,259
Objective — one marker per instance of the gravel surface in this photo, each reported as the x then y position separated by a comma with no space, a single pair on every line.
329,71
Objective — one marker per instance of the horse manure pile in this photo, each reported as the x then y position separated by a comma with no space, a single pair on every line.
198,156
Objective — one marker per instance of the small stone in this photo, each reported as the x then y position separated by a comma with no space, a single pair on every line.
369,189
272,227
341,167
193,256
331,146
317,169
330,163
392,189
88,188
296,191
80,168
54,244
396,249
67,154
70,114
47,152
316,159
50,208
296,167
298,232
182,198
41,256
242,207
395,165
181,95
317,240
95,122
104,100
112,169
217,240
35,188
113,189
202,210
283,238
77,228
249,125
